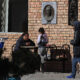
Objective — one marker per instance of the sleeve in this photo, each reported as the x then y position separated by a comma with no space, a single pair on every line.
18,43
76,39
46,38
39,39
22,44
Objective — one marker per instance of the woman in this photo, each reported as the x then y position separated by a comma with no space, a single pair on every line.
24,41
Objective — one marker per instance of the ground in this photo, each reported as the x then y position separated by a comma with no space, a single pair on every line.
49,76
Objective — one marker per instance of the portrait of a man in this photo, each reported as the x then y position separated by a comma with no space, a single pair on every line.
48,13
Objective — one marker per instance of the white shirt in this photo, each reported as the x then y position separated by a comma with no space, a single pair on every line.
44,40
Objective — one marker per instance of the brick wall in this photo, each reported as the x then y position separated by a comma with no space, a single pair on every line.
60,33
79,9
12,37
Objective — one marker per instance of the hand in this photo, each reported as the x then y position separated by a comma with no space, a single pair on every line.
28,44
71,42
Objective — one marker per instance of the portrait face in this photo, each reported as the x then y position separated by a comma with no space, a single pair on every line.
48,12
26,37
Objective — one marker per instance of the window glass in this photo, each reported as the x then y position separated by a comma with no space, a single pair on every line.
18,20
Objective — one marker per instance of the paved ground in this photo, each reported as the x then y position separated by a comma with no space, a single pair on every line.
49,76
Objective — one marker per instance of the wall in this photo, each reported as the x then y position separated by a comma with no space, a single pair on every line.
12,37
79,10
60,33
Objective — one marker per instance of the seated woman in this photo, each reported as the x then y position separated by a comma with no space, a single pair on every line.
24,60
24,41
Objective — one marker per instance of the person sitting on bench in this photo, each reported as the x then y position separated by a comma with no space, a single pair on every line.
24,41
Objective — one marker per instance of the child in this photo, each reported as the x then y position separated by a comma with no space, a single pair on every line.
42,41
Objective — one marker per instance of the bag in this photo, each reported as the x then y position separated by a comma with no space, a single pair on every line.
1,44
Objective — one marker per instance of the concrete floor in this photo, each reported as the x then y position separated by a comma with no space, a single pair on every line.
49,76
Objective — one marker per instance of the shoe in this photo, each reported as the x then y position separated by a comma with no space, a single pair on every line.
14,78
11,78
70,77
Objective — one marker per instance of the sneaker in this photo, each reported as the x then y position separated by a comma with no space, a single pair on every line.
14,78
70,76
11,78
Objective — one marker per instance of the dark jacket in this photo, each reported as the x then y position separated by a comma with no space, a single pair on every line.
21,42
76,41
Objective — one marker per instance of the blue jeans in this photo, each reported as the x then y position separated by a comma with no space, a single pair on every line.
74,63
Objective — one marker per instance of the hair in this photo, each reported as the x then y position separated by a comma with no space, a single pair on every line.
42,30
25,33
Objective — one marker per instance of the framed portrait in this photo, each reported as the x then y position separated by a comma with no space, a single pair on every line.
49,12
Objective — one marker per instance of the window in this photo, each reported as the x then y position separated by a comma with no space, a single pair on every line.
73,11
16,12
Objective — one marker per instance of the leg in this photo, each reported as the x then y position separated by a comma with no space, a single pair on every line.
41,52
74,62
78,67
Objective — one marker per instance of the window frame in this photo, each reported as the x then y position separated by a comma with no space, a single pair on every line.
6,24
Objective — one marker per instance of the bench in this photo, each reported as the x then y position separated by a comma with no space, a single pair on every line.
60,54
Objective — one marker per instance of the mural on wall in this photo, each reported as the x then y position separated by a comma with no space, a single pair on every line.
49,12
73,11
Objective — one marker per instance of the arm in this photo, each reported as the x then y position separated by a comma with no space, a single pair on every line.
39,39
29,42
18,43
76,39
42,40
45,38
32,43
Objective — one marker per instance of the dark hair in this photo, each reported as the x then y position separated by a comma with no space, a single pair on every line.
42,30
25,33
